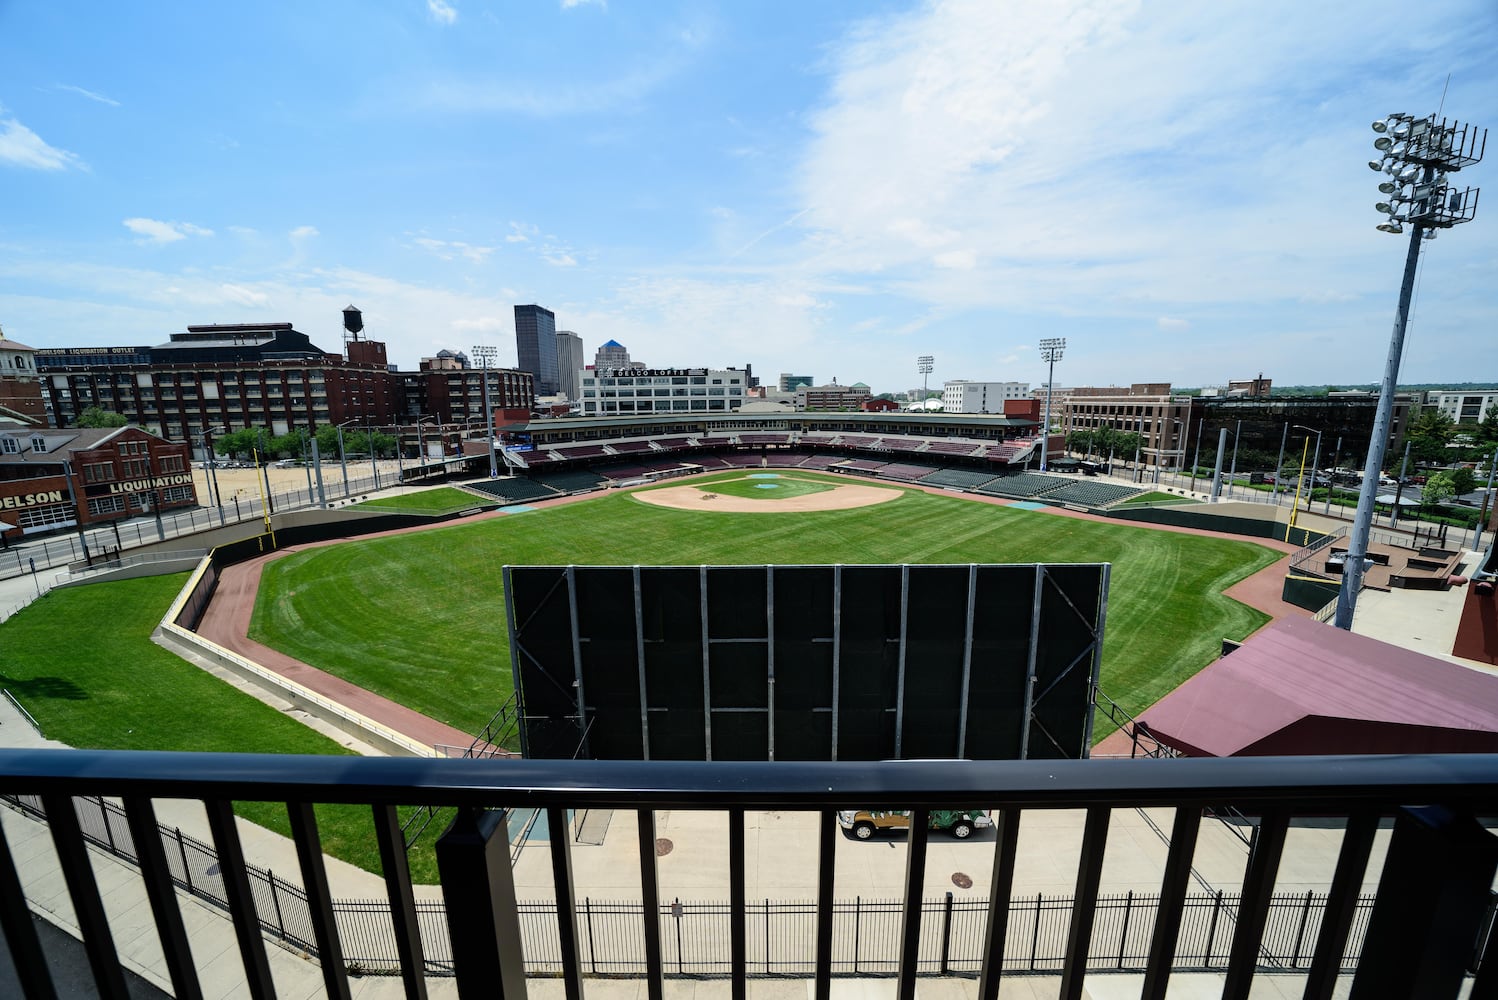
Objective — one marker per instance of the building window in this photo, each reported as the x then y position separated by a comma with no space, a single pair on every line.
105,505
176,494
41,517
9,446
170,463
100,472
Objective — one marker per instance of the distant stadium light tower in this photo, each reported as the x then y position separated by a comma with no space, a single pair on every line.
924,365
1417,154
1050,352
487,353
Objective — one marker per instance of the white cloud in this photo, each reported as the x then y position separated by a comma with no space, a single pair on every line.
570,4
558,256
452,250
482,324
956,260
89,94
21,147
301,233
156,232
243,295
1172,323
521,232
442,12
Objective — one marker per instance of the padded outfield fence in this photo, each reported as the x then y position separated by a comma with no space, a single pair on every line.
694,935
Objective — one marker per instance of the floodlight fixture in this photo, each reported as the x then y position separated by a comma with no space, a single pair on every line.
1426,151
1051,349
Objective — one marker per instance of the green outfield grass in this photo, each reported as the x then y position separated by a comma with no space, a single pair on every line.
442,500
419,618
114,689
785,487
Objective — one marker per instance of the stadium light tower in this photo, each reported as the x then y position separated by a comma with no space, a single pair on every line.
487,353
1050,352
924,365
1417,155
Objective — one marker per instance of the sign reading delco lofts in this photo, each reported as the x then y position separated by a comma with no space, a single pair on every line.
30,499
146,485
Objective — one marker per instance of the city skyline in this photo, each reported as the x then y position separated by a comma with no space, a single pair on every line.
837,189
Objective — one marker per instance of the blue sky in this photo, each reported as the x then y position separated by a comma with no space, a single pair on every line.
1178,189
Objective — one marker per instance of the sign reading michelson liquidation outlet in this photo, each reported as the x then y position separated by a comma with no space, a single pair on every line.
30,500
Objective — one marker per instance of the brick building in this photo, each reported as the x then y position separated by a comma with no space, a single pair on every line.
52,479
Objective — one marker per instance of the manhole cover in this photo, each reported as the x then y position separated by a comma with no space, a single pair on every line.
662,847
962,881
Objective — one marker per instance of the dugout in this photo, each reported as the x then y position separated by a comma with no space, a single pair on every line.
806,662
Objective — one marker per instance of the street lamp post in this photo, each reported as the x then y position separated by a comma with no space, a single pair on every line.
342,456
487,353
1417,154
218,497
1331,482
1051,349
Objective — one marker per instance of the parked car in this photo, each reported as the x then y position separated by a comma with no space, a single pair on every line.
866,822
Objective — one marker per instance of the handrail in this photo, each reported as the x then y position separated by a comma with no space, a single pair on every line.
1322,784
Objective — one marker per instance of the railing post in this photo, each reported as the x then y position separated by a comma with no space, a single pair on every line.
946,933
182,851
1123,933
1300,933
473,859
1431,899
592,950
857,927
275,902
1212,929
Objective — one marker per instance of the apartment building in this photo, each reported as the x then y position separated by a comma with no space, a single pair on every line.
661,390
960,395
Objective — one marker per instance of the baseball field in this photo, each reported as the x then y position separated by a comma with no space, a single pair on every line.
419,618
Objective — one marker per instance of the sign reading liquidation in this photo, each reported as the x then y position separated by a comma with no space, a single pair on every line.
146,485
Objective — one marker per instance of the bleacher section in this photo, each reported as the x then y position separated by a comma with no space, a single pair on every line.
741,461
714,442
764,439
1090,493
619,473
817,438
571,480
513,490
951,448
785,459
960,478
857,441
904,472
710,462
861,465
579,451
902,444
1024,485
672,444
631,447
821,461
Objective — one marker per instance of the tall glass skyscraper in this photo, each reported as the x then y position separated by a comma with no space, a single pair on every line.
536,346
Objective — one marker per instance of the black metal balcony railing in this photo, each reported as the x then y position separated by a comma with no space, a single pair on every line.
1425,930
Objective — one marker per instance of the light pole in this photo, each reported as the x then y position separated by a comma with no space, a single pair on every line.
1051,349
342,456
487,353
1331,482
924,366
218,497
1196,457
1417,154
374,463
421,448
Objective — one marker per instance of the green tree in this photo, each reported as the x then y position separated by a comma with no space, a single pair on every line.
1438,488
1485,434
1463,481
1429,434
1079,442
94,416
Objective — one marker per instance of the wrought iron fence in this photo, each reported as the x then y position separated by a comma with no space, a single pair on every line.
780,933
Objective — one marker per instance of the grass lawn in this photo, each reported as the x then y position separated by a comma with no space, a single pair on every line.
113,689
782,488
441,500
428,630
1156,496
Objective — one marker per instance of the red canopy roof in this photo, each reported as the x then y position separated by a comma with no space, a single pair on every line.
1301,687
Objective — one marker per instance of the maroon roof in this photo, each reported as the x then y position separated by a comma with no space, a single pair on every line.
1301,687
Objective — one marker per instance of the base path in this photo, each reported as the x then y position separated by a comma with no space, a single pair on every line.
701,498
